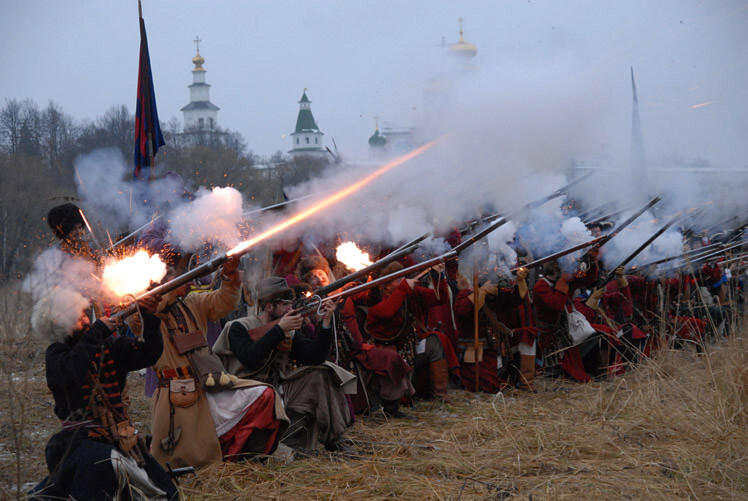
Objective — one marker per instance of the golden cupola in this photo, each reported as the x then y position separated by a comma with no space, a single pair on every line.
463,50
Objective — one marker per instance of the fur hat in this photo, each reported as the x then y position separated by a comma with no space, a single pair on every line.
391,268
63,219
273,288
312,263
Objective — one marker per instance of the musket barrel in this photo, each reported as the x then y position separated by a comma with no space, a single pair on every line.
392,256
609,276
131,236
448,256
169,286
690,253
700,257
553,257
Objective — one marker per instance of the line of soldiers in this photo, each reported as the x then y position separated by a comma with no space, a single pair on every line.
229,387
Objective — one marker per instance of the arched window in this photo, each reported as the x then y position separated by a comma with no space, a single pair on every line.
297,140
307,140
316,140
201,122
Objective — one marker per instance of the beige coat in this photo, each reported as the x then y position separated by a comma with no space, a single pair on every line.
196,441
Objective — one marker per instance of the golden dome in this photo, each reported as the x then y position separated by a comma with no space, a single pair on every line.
463,48
198,61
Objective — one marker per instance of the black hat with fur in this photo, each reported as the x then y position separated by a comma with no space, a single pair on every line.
63,219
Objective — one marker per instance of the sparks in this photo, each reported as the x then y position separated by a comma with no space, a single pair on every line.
133,274
332,199
351,256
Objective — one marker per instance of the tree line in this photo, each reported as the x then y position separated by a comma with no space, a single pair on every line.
39,146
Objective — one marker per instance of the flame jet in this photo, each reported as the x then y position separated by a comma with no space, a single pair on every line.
247,245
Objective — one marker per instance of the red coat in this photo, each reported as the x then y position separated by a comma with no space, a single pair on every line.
551,300
385,319
379,360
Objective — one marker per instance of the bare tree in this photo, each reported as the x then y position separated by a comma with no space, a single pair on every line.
11,120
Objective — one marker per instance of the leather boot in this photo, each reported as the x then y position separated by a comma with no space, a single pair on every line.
439,379
392,409
527,373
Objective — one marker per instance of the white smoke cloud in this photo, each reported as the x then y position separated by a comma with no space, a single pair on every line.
59,285
213,217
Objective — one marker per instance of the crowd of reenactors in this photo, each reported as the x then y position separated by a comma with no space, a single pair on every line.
240,366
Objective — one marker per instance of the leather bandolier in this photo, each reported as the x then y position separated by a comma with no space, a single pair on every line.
553,352
114,428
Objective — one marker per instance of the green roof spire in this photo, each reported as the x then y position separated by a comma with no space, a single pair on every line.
305,120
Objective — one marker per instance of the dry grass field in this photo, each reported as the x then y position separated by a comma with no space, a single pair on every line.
674,428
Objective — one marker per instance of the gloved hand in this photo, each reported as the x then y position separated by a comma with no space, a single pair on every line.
621,277
231,271
594,300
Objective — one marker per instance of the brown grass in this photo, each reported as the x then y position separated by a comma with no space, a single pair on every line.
676,427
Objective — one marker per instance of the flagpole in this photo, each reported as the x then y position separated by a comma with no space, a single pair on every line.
140,16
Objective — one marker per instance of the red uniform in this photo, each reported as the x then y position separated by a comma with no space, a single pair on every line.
551,301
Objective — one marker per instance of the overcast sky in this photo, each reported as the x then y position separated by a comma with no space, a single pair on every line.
361,59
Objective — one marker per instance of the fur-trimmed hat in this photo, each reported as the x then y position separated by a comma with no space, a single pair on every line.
391,268
312,263
273,288
63,219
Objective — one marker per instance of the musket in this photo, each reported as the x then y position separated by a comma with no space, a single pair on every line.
169,286
553,257
607,238
414,241
131,236
689,253
587,214
136,232
712,253
717,225
601,282
314,301
607,216
737,232
381,263
736,258
281,204
559,192
216,262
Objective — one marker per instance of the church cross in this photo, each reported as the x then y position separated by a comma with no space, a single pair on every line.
197,43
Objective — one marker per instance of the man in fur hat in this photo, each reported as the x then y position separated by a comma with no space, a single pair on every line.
98,454
263,346
68,226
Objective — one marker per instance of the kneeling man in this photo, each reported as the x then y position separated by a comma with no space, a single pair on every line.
267,346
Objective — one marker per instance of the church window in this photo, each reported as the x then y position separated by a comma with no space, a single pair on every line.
316,140
307,140
297,140
210,123
201,122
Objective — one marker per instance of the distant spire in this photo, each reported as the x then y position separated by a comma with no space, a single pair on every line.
197,43
638,158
